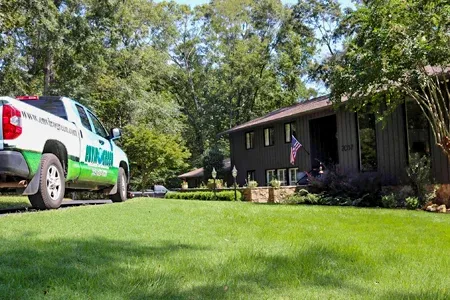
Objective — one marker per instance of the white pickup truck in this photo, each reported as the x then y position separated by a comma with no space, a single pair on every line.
52,144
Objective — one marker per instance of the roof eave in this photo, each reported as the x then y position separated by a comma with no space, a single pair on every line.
232,130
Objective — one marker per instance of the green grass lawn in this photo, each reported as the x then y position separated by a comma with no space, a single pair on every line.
156,248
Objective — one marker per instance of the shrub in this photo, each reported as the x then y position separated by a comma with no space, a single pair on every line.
419,174
275,183
412,203
252,184
362,189
389,201
219,184
209,196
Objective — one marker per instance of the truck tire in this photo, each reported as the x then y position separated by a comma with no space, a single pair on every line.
51,185
121,194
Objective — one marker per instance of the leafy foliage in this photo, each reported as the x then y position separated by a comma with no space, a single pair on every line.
412,203
419,174
396,49
154,156
363,189
177,71
389,201
213,158
221,196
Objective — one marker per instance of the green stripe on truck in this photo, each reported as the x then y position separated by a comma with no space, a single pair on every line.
77,170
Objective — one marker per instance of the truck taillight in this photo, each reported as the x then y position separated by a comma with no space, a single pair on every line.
11,122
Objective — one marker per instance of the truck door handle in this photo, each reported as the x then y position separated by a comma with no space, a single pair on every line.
101,142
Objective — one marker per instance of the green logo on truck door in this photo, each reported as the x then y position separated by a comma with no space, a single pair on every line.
98,156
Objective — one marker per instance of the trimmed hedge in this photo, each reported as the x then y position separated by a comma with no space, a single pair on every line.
209,196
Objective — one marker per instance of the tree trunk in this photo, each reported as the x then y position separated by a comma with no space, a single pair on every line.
48,72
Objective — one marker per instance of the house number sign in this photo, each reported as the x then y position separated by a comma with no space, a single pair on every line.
347,147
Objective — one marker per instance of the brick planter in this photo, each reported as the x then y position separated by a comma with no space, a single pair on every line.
268,194
257,195
280,194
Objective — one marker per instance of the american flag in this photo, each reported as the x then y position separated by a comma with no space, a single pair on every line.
295,145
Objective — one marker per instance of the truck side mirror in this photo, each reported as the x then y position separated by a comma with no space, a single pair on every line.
115,134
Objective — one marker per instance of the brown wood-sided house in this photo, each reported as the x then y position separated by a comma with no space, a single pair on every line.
260,148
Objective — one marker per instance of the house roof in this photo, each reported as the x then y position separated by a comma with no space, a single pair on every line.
285,112
200,171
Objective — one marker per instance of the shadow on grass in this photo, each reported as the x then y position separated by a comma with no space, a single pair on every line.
12,204
101,268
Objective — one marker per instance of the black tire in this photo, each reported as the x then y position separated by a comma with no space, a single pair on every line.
121,194
51,185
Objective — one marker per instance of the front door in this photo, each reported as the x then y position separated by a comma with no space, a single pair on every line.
324,144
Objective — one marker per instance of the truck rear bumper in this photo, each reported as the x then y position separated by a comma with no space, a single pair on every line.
13,163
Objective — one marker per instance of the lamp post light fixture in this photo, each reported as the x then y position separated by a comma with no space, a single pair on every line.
214,175
234,173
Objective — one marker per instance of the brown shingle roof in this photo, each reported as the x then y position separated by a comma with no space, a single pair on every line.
285,112
200,171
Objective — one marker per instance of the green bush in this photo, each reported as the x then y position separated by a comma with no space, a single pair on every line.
412,203
419,174
275,183
208,196
252,184
362,189
389,201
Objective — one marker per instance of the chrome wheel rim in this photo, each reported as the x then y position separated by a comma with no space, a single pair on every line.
53,182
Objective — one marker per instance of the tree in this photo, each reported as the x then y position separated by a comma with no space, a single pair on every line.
396,48
235,60
213,158
153,156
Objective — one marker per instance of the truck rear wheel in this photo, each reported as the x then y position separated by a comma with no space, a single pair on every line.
121,194
51,185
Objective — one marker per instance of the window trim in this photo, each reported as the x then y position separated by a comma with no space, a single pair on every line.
78,106
290,131
90,113
290,178
252,142
254,175
430,133
359,144
273,137
267,178
284,183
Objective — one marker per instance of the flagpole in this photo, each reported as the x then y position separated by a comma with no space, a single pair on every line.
306,151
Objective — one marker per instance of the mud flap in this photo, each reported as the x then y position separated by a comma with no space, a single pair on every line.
113,191
33,186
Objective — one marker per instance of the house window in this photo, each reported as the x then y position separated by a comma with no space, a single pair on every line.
289,131
268,136
249,140
293,176
367,142
281,174
418,129
270,174
250,175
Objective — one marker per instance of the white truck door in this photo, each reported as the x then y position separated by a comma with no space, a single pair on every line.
101,153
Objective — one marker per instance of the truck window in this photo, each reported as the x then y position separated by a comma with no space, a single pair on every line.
52,105
99,129
83,117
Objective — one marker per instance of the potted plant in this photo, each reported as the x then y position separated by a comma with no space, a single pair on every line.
252,184
275,183
184,185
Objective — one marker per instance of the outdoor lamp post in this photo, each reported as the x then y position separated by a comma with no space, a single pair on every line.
234,173
214,175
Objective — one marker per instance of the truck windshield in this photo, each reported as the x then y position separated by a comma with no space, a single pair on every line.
53,105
